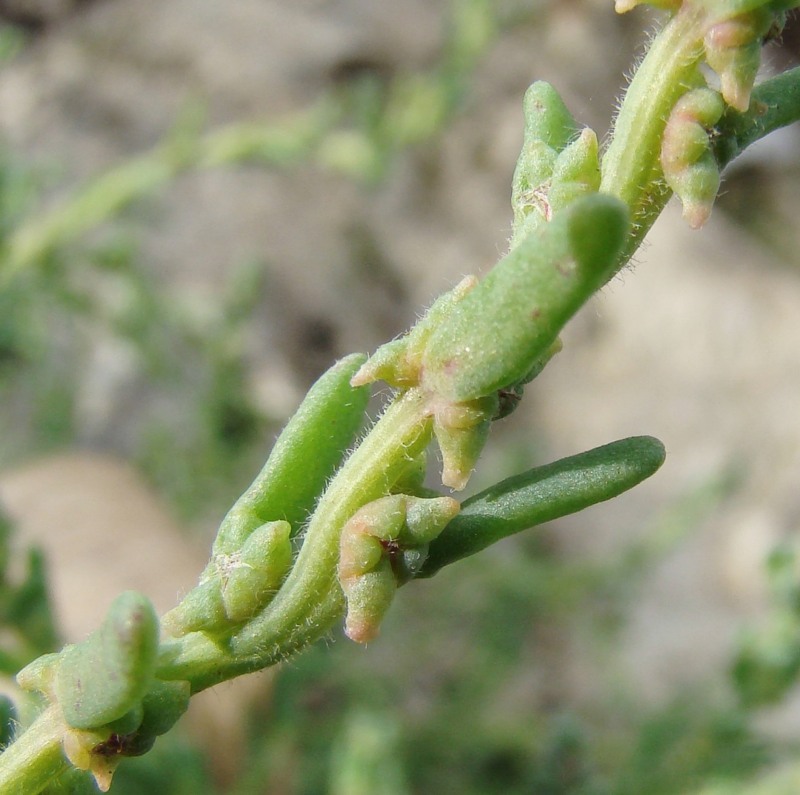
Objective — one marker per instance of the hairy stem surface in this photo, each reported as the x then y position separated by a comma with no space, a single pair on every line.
310,600
631,169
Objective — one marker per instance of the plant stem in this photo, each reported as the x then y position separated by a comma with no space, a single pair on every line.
631,168
104,196
28,765
310,600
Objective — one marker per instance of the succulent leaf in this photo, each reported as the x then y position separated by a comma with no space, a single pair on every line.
501,329
101,679
548,128
543,494
307,453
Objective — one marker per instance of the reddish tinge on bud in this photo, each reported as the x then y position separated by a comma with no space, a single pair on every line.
690,168
382,545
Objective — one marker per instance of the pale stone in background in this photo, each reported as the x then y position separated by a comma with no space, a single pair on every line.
103,531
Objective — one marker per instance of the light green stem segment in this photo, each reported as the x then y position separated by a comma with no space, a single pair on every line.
310,600
630,167
28,765
372,470
110,193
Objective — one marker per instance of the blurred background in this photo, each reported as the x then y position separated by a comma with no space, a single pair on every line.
203,204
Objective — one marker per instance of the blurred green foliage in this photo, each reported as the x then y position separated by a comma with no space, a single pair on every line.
767,664
26,616
482,708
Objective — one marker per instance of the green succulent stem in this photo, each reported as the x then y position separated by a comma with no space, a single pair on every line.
310,601
631,170
28,765
293,619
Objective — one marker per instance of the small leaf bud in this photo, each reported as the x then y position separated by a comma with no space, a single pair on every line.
359,552
251,577
40,674
549,126
201,610
369,597
426,518
689,166
381,546
576,172
461,430
389,364
398,362
733,51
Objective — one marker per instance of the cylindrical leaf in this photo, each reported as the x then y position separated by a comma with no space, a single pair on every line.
543,494
304,458
547,118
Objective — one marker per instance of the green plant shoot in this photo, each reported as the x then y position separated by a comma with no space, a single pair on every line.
331,527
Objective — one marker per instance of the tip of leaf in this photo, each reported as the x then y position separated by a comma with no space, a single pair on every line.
455,478
364,375
598,228
361,631
696,214
736,94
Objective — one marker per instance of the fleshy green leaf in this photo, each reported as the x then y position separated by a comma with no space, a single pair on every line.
543,494
100,680
549,127
501,328
305,456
